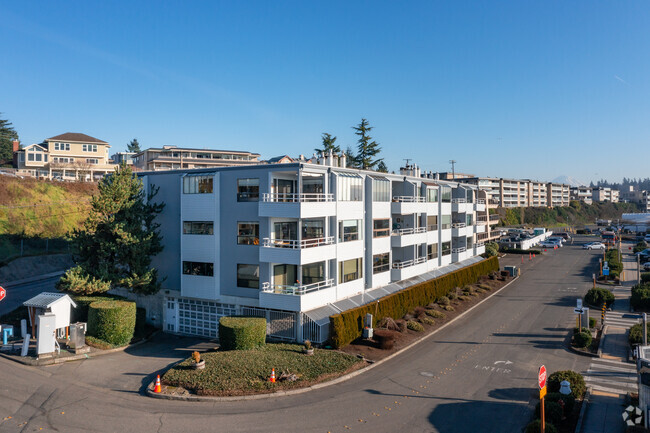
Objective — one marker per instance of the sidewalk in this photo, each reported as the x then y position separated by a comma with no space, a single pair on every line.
604,410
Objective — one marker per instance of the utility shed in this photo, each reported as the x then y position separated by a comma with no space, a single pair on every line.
57,303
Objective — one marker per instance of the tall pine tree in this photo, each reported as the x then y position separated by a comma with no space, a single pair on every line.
367,148
118,238
328,144
7,136
133,146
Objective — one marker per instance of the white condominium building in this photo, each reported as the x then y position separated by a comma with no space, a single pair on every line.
298,242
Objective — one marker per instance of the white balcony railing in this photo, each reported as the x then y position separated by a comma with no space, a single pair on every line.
458,250
283,197
409,231
458,225
408,199
298,244
479,244
480,201
296,289
432,227
409,263
458,200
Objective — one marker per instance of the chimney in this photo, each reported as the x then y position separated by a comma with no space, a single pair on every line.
343,160
16,145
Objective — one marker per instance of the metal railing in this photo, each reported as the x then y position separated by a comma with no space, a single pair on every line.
479,244
409,231
458,250
408,199
298,244
480,201
459,200
409,263
494,217
285,197
432,227
296,289
458,225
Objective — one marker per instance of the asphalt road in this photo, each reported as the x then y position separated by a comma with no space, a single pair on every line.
477,375
19,293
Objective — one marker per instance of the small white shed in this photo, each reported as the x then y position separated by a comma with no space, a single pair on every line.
57,303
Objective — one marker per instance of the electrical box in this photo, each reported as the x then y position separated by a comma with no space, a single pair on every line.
46,330
77,335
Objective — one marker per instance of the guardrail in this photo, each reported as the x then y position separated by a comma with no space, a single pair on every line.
298,244
458,225
296,289
408,199
458,250
459,200
409,231
409,263
282,197
480,201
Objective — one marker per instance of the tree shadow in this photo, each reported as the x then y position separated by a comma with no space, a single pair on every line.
480,416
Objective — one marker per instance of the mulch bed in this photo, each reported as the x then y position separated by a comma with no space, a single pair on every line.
369,348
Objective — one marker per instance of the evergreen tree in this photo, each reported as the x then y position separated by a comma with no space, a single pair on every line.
7,136
328,144
118,238
367,148
351,158
133,146
381,167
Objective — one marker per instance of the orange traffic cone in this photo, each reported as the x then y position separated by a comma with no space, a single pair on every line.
272,380
533,255
530,256
157,388
522,260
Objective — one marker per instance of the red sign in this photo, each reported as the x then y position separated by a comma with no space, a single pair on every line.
541,377
3,293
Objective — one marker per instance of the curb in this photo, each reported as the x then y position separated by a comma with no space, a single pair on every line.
602,337
343,378
583,410
32,279
53,361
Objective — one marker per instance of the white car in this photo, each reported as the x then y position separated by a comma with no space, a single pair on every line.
547,244
557,241
594,246
646,266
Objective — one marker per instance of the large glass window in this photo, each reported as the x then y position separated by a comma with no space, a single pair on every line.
248,276
350,187
312,185
313,229
380,263
380,228
349,230
350,270
445,222
470,242
285,231
198,227
432,195
446,248
380,189
248,189
30,157
197,185
468,219
248,233
313,273
198,268
445,193
432,251
285,275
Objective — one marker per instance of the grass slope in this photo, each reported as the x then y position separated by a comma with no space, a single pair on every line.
577,213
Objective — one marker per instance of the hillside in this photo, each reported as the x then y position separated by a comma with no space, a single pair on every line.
577,213
42,208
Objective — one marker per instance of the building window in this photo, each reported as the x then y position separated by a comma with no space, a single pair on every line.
313,229
446,248
380,189
349,230
248,189
349,187
89,147
432,223
445,194
313,273
30,157
432,195
468,220
248,233
198,227
445,222
470,242
39,156
198,268
248,276
432,251
380,263
350,270
61,146
45,157
380,228
197,185
92,160
21,157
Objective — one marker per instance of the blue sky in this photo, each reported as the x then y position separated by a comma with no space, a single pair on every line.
508,89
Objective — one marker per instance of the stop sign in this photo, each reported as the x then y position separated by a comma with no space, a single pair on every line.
541,377
3,293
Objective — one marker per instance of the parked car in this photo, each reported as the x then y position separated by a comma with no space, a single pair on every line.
562,235
547,244
647,237
646,266
594,246
558,241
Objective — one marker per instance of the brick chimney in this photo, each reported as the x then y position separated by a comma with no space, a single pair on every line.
16,145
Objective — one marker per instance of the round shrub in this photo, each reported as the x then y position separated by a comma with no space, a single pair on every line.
435,314
448,308
385,338
112,321
552,411
536,427
452,295
592,322
427,320
80,313
443,300
578,386
242,333
635,335
597,296
582,339
414,326
569,401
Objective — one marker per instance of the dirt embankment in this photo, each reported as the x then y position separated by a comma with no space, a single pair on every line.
26,267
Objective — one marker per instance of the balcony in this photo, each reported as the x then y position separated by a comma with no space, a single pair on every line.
298,297
297,252
479,228
479,206
460,205
482,220
458,229
408,268
406,204
408,236
459,254
294,205
494,218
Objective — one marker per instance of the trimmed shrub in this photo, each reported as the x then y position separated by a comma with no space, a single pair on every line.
536,427
452,295
414,326
428,321
419,311
635,334
463,298
385,338
448,308
645,277
242,333
435,314
596,297
640,299
485,287
578,386
347,326
80,314
592,322
443,300
112,321
569,401
552,411
582,339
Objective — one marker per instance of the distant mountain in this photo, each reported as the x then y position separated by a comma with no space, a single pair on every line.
572,181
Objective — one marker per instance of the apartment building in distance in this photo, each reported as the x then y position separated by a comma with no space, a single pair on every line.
509,193
69,156
178,158
123,157
582,193
605,194
298,242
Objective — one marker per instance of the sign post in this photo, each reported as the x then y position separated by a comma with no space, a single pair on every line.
541,381
3,293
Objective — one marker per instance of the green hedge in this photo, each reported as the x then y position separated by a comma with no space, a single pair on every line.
640,299
112,321
578,386
596,297
645,277
242,333
536,427
347,326
518,251
80,314
635,335
613,259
